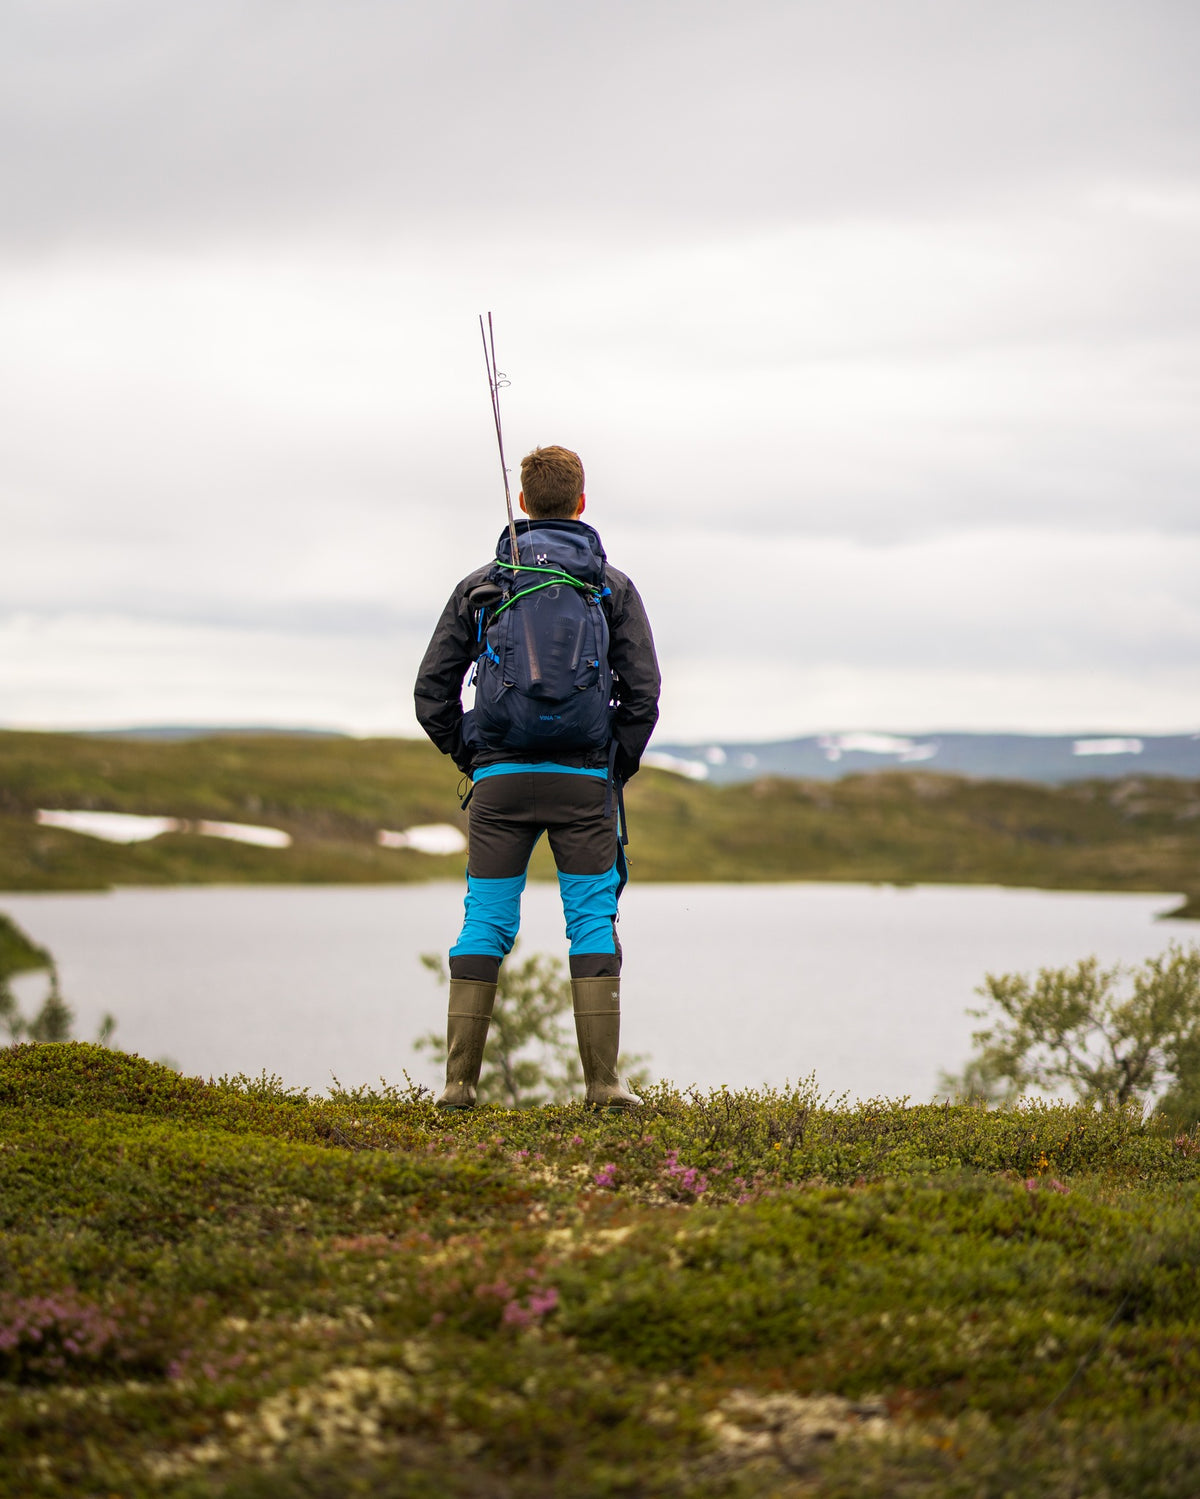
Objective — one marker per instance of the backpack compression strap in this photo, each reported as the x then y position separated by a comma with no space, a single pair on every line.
556,576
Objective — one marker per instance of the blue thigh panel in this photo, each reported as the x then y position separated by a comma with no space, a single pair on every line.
492,915
590,907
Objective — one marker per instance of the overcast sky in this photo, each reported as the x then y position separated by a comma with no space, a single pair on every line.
877,326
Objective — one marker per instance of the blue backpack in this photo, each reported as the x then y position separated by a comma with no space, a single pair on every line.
542,678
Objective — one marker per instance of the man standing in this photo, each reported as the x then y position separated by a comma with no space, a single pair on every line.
567,687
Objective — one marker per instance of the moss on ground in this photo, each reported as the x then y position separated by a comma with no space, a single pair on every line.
232,1288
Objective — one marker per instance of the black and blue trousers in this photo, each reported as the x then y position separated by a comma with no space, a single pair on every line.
511,806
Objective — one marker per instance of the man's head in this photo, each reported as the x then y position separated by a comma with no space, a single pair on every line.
552,484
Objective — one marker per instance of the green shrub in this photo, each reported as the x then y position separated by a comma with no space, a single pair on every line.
1073,1028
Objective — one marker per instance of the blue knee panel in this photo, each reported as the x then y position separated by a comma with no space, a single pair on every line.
492,916
590,906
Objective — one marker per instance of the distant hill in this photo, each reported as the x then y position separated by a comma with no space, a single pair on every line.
1043,759
1046,759
333,797
182,731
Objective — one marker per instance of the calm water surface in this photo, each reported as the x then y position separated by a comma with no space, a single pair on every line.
738,984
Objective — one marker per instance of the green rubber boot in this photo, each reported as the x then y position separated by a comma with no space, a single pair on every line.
467,1019
598,1027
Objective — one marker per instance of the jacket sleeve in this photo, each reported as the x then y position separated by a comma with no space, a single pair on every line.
638,681
438,691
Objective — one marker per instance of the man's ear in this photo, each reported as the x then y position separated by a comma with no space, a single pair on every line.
582,505
521,502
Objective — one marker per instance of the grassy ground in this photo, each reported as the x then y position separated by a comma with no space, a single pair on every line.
333,795
232,1289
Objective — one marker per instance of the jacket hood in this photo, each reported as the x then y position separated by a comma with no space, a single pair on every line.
570,544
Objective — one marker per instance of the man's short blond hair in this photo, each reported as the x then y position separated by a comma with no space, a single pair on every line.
551,481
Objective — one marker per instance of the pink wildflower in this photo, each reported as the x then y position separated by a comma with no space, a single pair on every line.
44,1331
688,1177
536,1307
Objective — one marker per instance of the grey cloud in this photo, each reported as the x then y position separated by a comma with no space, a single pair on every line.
901,611
212,118
1015,600
161,606
780,271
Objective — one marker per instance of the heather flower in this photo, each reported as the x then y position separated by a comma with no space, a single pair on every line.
537,1305
688,1178
44,1336
499,1288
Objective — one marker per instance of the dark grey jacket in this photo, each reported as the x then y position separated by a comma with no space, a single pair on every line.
631,655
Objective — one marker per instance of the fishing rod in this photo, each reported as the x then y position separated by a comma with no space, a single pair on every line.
496,382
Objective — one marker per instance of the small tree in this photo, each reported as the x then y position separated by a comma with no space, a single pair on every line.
1181,1101
53,1022
1072,1027
979,1084
528,1060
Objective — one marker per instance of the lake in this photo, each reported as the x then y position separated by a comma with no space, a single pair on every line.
868,986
